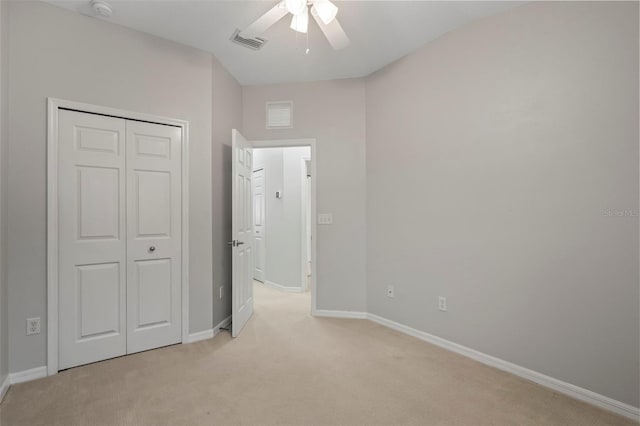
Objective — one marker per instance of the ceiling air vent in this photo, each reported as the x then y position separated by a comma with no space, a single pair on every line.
254,43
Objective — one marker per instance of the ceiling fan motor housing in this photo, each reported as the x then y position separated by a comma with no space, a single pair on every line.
296,7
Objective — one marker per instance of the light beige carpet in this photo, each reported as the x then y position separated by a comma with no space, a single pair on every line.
288,368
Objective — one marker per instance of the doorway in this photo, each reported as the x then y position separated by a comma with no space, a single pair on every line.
246,248
281,215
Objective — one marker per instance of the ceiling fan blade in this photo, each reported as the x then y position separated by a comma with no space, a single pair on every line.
260,25
332,31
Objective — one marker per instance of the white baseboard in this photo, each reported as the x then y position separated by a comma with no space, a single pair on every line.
283,288
4,387
222,324
200,335
339,314
542,379
28,375
210,333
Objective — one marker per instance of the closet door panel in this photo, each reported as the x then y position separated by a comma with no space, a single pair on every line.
154,235
92,238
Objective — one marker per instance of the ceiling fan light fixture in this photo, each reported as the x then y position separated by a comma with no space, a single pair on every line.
333,31
326,10
300,22
296,7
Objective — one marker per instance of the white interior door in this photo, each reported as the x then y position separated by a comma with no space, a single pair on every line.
308,224
259,210
242,232
154,235
92,238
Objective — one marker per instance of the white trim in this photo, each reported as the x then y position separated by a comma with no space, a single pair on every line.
222,324
303,223
284,143
339,314
539,378
185,230
283,288
52,236
28,375
6,383
200,335
52,213
209,334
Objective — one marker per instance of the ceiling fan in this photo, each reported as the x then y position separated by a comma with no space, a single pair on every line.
323,11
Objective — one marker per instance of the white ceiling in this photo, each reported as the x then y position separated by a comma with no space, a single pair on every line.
380,32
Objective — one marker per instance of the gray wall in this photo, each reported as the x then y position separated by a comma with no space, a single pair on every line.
117,67
227,115
283,169
333,113
4,110
493,156
271,161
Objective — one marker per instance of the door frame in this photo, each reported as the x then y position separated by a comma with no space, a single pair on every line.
303,222
310,142
53,107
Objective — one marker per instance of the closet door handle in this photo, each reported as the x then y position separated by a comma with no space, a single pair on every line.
152,249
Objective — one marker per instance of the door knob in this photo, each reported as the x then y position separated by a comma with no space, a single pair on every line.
239,243
152,249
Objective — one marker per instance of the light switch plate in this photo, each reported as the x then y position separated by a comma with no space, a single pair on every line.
325,218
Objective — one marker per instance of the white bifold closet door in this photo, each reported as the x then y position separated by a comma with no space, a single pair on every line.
119,237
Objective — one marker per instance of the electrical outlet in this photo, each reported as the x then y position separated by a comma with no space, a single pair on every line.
391,291
221,291
33,326
442,303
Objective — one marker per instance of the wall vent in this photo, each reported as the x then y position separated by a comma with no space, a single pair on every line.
254,43
280,115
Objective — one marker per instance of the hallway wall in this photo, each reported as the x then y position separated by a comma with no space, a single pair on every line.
226,113
332,112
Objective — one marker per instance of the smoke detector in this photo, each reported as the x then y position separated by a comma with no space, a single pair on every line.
101,8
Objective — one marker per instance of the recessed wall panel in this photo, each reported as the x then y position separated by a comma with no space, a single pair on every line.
96,140
257,212
98,300
154,292
98,202
154,203
153,146
248,225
